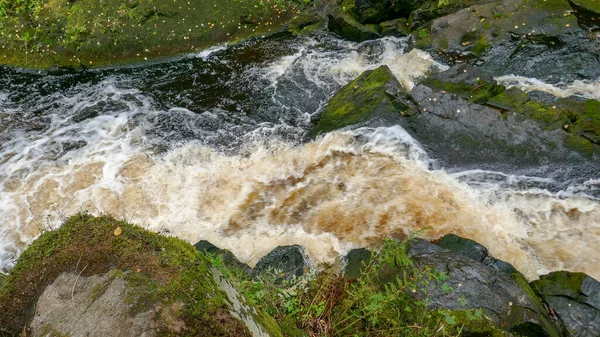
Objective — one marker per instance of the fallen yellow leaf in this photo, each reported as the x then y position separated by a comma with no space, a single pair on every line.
118,231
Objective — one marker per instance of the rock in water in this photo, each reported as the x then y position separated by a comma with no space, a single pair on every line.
288,261
375,96
575,297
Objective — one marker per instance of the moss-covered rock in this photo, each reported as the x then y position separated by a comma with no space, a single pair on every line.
579,118
474,30
589,5
375,94
347,27
156,273
89,33
575,297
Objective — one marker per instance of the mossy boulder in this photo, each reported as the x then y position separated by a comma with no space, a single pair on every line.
375,96
575,298
589,5
160,280
508,301
579,118
90,33
476,28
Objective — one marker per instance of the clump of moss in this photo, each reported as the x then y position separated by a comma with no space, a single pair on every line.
360,99
155,266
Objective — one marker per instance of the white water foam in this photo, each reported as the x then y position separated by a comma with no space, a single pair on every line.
586,89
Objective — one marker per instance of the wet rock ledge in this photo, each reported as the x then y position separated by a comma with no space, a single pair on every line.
100,277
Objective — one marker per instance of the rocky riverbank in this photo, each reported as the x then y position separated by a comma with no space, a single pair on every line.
99,276
89,34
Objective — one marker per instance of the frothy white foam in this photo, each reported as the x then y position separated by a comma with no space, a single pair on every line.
586,89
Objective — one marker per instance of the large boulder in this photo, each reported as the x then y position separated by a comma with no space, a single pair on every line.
508,301
375,96
505,126
347,27
575,298
103,277
474,251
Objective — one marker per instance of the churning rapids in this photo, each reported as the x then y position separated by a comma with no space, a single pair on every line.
212,146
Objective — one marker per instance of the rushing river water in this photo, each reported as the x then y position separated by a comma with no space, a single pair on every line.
212,146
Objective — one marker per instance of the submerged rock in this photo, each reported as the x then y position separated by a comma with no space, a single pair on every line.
575,297
288,261
374,97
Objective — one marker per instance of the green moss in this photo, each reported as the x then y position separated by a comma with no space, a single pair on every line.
358,100
481,46
479,93
269,324
511,99
443,44
90,33
590,5
549,327
560,283
154,266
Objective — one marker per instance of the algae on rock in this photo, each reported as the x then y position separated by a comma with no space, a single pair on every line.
163,280
374,95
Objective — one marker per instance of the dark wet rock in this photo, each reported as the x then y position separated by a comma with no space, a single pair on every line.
397,27
372,11
464,247
356,261
461,133
228,258
375,96
475,252
575,297
569,57
578,118
348,28
538,38
476,28
376,11
508,301
419,246
500,265
288,261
